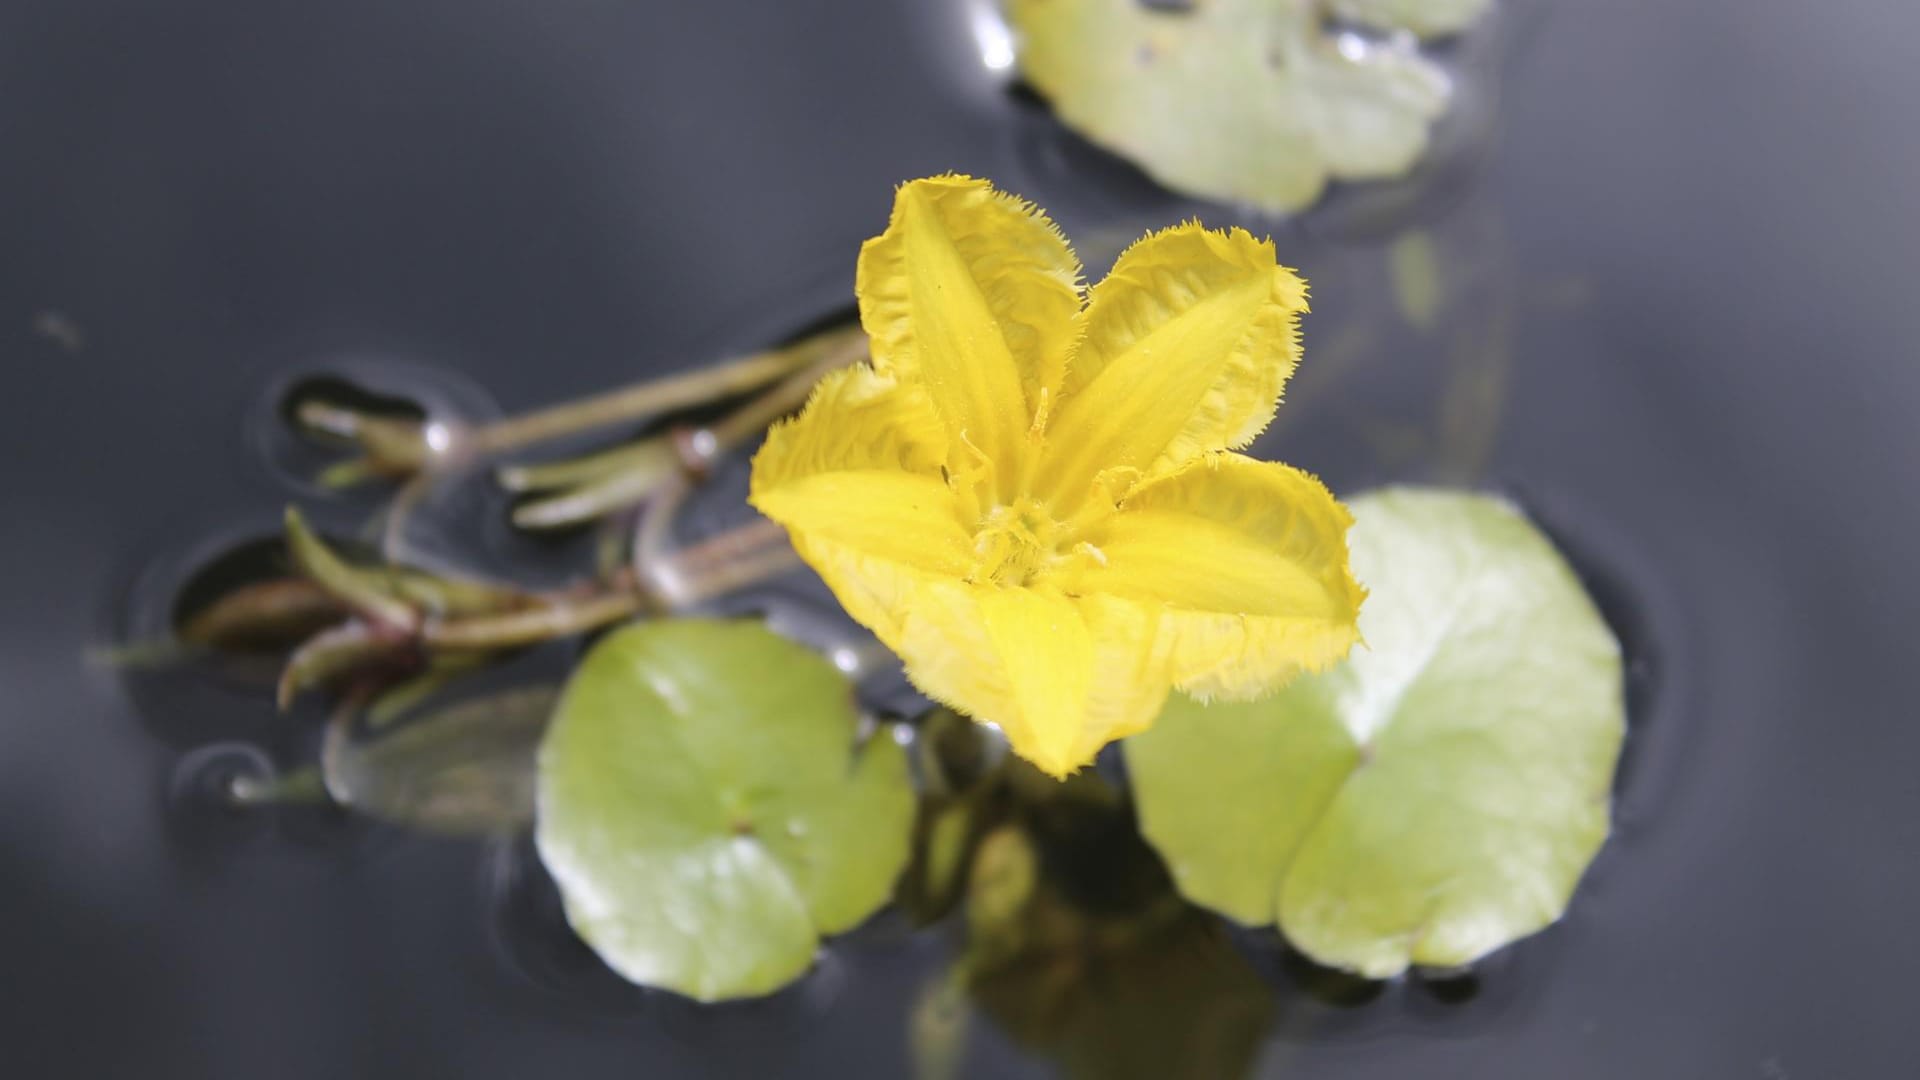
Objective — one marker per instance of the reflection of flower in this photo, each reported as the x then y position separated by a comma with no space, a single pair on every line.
1032,501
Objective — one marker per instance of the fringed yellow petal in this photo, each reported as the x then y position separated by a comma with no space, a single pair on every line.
1033,504
1187,345
884,595
1061,677
971,293
1044,651
1246,559
853,475
1132,671
855,418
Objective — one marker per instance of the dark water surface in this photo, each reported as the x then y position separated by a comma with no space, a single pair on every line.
1678,325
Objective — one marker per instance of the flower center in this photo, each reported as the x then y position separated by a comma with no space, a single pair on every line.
1014,544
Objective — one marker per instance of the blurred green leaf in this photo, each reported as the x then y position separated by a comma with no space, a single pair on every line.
467,768
706,812
1426,18
1437,796
1254,101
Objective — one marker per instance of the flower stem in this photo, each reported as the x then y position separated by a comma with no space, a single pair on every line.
400,448
655,397
357,589
617,481
718,565
747,540
574,472
652,541
735,574
560,618
601,483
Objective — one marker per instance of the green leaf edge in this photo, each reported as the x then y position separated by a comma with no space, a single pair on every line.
1589,847
877,751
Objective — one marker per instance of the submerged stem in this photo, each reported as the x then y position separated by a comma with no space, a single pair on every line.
355,588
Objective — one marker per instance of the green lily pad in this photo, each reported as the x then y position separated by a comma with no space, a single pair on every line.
706,812
1254,101
1435,797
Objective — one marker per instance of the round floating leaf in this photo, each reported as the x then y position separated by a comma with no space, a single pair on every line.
1256,101
705,811
1437,796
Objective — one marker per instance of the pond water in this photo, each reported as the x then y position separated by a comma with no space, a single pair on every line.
1673,247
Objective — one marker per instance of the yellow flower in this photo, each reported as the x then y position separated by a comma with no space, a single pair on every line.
1033,499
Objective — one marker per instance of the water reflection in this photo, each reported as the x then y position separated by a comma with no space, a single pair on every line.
1075,945
1069,941
300,454
991,34
191,690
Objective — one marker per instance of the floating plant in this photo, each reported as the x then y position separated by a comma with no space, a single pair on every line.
1261,102
1034,494
1440,794
707,810
1009,497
